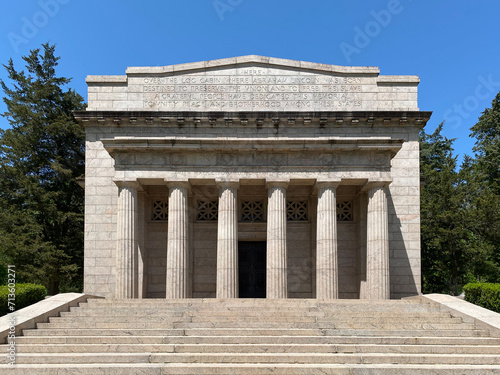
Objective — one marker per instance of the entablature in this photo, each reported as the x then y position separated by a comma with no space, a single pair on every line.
249,119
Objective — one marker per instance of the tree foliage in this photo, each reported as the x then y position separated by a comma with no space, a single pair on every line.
460,208
487,147
41,156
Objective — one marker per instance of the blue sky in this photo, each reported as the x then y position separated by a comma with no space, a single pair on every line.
452,45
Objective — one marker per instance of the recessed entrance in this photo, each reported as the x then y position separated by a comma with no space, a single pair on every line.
252,269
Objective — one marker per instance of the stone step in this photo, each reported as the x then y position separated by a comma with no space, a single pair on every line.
255,332
258,325
281,340
84,320
103,332
343,310
237,358
288,305
123,311
325,314
256,348
197,303
252,312
249,369
183,325
258,336
251,301
246,315
248,319
324,325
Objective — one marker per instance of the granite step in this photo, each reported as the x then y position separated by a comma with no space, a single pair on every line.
249,369
249,301
254,332
281,340
231,314
237,358
259,348
256,336
184,325
82,319
258,325
186,319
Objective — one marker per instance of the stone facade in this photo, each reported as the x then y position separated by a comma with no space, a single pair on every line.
312,168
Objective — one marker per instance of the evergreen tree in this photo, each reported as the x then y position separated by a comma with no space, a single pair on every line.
41,156
487,147
485,177
452,252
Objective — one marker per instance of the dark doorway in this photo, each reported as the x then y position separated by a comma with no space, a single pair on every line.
252,269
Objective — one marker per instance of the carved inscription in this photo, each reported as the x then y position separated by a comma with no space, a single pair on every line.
252,89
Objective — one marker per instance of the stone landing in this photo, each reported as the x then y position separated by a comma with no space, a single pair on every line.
257,336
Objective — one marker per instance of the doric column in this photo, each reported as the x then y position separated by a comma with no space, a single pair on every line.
177,245
227,240
276,240
327,286
377,243
126,241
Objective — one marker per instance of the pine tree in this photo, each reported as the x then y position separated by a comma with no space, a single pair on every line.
487,147
41,156
452,252
485,177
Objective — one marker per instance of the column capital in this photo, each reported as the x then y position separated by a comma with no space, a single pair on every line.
223,183
277,183
332,183
181,183
130,183
374,184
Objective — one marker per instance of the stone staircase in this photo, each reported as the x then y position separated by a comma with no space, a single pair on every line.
255,336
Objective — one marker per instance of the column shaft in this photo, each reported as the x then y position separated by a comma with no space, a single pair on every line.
362,229
377,245
177,245
227,241
326,243
276,241
126,240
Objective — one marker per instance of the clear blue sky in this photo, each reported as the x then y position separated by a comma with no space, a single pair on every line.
452,45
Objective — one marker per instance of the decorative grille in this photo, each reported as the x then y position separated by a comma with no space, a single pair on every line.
207,210
344,211
160,210
252,211
296,210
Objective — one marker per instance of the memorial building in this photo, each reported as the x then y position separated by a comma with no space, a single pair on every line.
252,177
